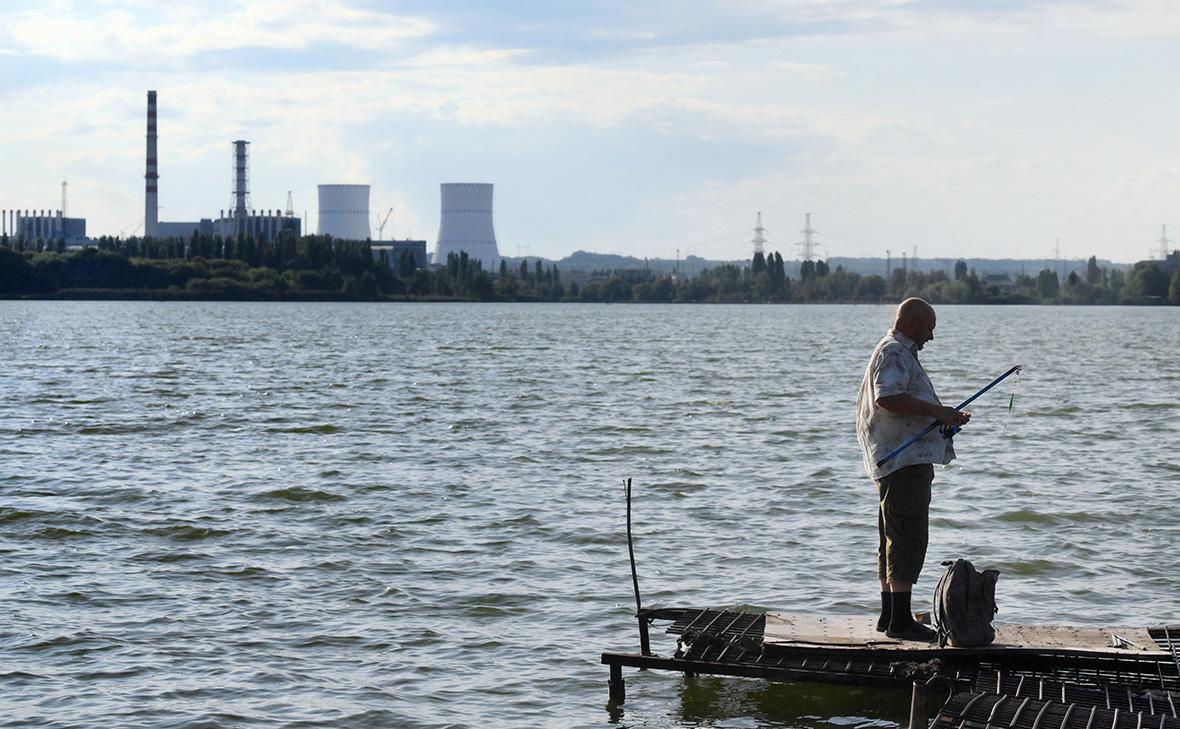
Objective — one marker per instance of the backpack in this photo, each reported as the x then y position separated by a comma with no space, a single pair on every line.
964,605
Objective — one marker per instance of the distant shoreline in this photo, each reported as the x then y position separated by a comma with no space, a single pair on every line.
317,268
330,297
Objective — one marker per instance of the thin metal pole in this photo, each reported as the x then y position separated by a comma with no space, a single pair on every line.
936,423
644,641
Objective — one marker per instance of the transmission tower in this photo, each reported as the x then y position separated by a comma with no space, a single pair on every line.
807,245
290,211
1163,241
759,239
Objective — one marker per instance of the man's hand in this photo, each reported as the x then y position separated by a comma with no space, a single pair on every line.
906,404
951,418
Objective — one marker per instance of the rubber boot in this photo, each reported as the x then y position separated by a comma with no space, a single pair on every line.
902,625
883,621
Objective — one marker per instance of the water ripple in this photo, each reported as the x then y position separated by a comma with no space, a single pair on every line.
402,515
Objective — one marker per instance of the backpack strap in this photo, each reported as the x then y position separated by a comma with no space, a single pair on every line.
939,604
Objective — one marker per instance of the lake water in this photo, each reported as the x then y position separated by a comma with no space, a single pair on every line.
347,515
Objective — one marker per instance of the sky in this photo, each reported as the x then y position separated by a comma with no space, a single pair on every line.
976,128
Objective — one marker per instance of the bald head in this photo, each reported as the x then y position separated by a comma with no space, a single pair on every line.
916,319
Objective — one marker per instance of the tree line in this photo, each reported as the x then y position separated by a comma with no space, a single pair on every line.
318,267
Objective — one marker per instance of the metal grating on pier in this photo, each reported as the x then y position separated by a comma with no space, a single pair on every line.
1127,698
729,625
713,639
992,711
1141,674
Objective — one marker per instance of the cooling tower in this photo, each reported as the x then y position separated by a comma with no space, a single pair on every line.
466,224
344,211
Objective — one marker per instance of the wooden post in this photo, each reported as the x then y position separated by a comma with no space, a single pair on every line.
644,638
618,690
927,698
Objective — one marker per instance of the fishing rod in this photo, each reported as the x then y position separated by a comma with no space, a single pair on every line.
936,423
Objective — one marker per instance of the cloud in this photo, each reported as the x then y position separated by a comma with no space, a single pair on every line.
177,31
622,126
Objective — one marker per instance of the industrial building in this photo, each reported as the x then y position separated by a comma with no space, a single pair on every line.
390,252
44,225
344,211
466,224
239,221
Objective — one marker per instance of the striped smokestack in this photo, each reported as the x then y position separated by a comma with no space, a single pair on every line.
151,212
241,187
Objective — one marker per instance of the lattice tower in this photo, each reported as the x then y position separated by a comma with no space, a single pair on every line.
807,245
759,239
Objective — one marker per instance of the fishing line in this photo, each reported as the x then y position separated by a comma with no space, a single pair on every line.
1011,401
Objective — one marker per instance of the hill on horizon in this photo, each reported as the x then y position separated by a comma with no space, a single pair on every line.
589,262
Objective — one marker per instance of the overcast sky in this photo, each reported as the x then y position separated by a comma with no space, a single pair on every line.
985,128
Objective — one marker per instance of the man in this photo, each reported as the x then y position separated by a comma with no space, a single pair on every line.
896,402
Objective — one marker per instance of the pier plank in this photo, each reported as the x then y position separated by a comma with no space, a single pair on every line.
834,632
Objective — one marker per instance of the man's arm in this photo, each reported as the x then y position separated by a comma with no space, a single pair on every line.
906,404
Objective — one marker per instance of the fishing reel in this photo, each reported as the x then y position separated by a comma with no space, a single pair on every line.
950,432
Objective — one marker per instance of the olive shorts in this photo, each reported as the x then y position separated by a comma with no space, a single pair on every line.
903,522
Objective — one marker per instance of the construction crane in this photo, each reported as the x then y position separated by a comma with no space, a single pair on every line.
134,230
381,225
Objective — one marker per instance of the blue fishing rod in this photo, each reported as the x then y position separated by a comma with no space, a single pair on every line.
950,431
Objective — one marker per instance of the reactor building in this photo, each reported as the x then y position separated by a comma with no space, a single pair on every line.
240,221
466,224
43,225
344,211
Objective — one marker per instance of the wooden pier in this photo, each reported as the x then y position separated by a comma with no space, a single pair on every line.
1031,677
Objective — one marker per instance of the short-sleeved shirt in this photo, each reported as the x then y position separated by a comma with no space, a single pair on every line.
894,369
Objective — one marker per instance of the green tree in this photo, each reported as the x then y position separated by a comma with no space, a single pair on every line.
778,277
1047,284
1174,288
406,265
1093,272
1148,281
960,269
871,288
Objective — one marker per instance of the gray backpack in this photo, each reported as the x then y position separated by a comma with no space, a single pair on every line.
964,605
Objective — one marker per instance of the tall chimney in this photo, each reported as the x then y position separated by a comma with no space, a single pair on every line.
151,210
241,191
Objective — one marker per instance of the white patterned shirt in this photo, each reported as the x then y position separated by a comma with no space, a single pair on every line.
894,369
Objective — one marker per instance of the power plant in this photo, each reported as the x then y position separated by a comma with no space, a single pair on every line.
43,225
239,221
466,224
344,211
